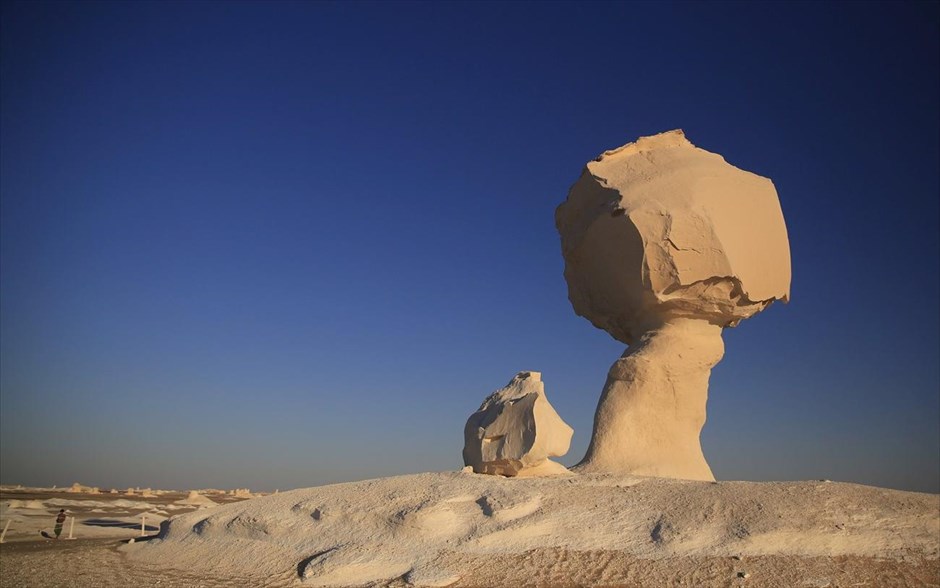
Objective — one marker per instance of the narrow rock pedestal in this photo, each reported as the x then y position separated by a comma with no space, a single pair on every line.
652,409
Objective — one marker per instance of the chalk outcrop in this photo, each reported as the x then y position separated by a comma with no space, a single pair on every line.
196,499
515,431
460,529
666,244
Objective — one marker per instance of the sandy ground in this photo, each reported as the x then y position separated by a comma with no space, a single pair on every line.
475,531
93,563
102,522
97,516
97,563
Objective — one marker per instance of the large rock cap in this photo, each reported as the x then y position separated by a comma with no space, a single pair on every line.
661,228
515,430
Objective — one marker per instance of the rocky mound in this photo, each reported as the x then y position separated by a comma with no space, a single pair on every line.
413,529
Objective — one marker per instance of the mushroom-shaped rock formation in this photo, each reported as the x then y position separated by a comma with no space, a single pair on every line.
665,244
515,431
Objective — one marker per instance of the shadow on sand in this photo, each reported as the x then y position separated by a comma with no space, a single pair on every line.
117,524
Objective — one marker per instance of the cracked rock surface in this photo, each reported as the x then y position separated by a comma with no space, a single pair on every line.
661,228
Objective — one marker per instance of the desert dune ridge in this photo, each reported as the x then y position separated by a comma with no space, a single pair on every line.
408,528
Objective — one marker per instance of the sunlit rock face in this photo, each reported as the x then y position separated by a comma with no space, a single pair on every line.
515,431
666,242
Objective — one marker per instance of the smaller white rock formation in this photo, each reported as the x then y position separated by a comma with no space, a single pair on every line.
194,498
515,431
77,488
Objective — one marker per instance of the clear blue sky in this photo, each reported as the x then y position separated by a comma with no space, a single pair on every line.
277,245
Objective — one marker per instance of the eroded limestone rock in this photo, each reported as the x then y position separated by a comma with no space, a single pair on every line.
515,431
665,244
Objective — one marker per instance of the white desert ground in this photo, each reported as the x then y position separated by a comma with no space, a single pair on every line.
467,529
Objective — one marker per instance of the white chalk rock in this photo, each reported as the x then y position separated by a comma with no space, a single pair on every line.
515,431
194,498
666,244
660,227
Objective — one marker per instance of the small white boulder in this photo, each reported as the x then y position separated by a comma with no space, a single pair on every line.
515,431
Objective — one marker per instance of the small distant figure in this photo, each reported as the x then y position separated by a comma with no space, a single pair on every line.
59,521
